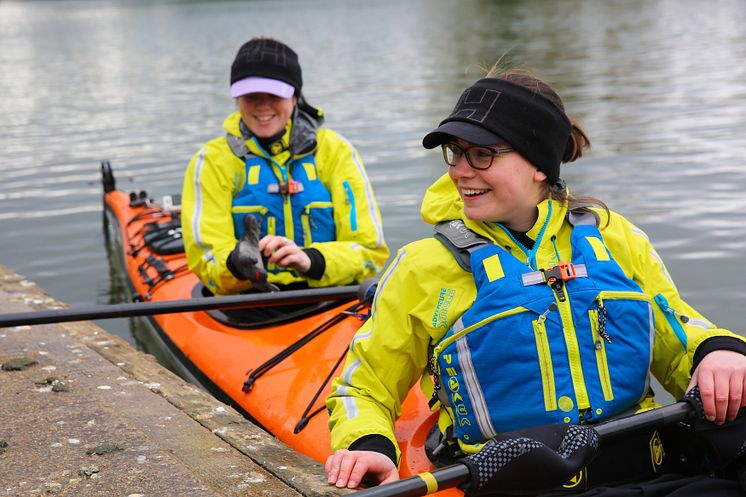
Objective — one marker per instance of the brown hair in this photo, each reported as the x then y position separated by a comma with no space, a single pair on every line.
577,143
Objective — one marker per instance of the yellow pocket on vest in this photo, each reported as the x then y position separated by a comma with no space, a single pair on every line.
493,268
253,178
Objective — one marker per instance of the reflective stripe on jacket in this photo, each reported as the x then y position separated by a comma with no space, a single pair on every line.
424,291
215,176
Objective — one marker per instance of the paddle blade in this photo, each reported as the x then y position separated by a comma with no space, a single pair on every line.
531,460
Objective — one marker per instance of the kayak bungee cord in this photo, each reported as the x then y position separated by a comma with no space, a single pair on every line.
151,212
162,231
256,373
155,231
305,417
145,226
158,281
166,233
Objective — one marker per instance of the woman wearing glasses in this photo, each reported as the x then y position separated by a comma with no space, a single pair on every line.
530,306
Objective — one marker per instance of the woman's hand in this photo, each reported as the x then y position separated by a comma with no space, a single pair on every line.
347,468
721,377
284,253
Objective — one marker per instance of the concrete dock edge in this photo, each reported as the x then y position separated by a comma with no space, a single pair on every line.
209,432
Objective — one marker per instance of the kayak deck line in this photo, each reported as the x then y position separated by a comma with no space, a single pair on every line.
174,436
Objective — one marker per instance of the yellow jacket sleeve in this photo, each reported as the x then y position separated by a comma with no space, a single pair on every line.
413,307
386,357
359,250
207,225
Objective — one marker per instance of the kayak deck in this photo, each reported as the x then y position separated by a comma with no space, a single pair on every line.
221,357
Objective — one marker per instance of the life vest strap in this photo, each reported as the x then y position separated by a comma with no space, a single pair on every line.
460,241
237,146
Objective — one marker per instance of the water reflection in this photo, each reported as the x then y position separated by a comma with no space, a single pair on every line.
658,85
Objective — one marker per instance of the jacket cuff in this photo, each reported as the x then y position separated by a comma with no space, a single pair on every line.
717,343
376,443
318,264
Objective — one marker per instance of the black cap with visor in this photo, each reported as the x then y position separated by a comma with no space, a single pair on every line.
495,111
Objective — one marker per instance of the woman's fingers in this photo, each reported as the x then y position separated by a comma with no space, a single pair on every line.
721,377
393,475
706,384
339,467
722,394
713,389
347,468
296,259
331,468
272,243
735,395
358,472
284,253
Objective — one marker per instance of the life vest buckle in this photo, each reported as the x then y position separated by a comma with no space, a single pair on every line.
564,271
284,188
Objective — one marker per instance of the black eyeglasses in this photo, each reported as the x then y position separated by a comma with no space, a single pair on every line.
478,157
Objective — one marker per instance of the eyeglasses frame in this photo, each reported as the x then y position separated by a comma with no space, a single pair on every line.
465,152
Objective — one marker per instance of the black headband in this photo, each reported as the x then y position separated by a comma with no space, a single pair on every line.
492,111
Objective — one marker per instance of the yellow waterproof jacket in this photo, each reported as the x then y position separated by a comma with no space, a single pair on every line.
424,291
215,175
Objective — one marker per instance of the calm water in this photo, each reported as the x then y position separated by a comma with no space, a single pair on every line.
659,84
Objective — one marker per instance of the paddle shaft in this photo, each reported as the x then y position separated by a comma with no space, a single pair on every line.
451,476
86,313
654,418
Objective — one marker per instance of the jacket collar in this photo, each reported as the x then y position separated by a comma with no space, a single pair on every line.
497,235
298,140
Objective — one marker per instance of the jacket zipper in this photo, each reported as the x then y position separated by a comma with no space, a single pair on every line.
307,221
671,317
571,342
600,339
545,360
350,198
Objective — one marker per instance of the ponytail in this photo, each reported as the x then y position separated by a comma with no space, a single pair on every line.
577,143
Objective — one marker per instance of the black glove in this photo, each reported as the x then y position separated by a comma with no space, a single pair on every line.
245,261
531,460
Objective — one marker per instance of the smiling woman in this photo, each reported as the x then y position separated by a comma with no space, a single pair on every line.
502,190
293,196
560,313
265,114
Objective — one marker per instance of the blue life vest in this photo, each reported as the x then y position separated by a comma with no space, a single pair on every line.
569,345
301,196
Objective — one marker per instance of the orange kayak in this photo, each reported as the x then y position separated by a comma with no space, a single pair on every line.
285,398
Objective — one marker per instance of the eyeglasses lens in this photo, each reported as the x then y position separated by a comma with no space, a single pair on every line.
480,157
449,154
477,157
